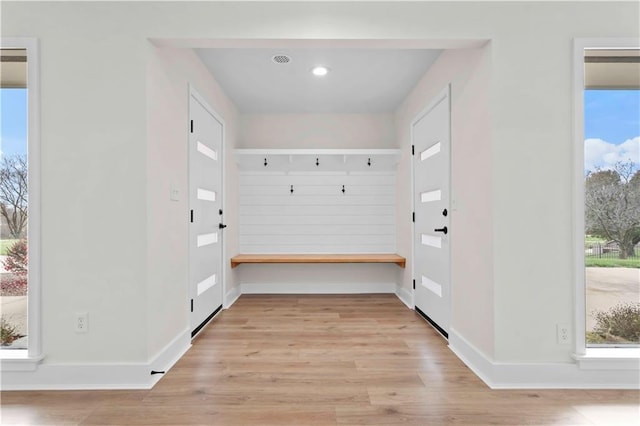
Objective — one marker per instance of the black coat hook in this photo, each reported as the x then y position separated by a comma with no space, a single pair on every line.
265,162
369,162
343,190
317,162
292,189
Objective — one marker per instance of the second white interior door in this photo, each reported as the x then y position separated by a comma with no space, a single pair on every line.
432,229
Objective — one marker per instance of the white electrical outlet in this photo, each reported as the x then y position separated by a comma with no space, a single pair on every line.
562,330
82,322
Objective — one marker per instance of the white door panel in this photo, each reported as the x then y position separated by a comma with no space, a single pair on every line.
205,235
431,167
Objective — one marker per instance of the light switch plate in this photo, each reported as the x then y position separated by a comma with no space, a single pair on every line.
174,194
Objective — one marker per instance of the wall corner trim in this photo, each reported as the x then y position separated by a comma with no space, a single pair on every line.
405,296
232,296
473,358
568,375
99,375
168,356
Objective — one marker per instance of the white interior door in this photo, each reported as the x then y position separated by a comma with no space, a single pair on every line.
205,202
432,230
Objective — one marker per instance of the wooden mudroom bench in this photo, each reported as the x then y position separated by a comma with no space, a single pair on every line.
318,258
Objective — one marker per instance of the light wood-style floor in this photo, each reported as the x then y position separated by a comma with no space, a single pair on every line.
320,360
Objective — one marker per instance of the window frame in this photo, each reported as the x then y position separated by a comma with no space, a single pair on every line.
602,358
16,359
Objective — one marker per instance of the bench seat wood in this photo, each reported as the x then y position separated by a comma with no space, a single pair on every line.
318,258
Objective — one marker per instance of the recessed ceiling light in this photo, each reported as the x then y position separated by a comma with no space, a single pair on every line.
320,71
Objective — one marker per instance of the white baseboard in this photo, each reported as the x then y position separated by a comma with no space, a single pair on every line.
538,375
169,355
495,374
317,288
405,296
477,361
232,296
98,376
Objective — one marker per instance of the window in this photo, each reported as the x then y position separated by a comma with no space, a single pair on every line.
14,200
612,213
19,201
607,197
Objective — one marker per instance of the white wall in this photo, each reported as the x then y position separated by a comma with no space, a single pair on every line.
318,278
169,73
94,153
93,185
468,72
317,131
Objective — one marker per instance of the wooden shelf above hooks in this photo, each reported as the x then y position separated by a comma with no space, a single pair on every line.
317,160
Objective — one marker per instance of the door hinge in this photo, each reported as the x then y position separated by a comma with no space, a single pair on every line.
192,304
413,217
414,284
191,216
413,148
191,126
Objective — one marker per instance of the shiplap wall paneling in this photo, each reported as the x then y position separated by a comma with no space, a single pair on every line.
318,217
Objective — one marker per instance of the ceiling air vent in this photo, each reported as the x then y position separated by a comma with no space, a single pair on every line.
281,59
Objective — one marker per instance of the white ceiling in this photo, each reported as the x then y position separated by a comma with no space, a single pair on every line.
359,81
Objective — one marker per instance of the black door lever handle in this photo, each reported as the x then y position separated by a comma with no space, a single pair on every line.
443,230
221,226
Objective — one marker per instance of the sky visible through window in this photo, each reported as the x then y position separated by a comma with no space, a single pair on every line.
13,121
611,128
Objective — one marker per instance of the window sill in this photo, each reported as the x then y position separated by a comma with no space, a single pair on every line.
609,359
18,360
